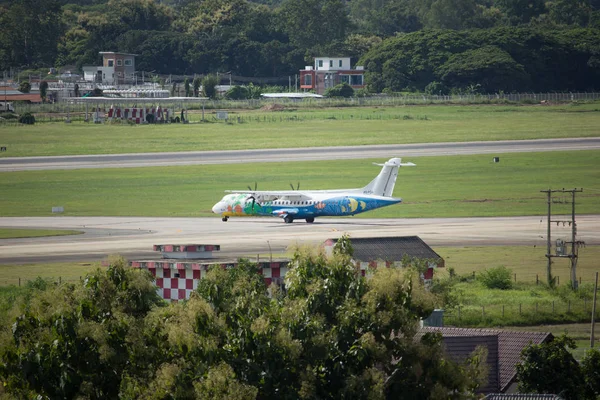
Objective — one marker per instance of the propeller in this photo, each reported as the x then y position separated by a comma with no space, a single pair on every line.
252,195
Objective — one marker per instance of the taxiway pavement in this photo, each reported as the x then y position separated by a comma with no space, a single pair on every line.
293,154
133,237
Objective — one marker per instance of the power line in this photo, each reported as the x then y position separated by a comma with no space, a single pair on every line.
561,244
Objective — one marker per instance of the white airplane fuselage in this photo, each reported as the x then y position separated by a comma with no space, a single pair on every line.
307,205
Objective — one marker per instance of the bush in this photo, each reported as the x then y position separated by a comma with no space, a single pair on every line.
341,90
27,118
237,93
496,278
436,88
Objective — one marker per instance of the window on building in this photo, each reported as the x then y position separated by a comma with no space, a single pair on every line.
103,76
340,63
356,80
345,79
320,63
330,63
111,63
119,63
307,80
128,62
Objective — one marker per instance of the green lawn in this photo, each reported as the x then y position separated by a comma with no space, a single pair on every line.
65,272
9,233
310,128
437,187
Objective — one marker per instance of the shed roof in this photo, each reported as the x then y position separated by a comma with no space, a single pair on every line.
459,348
390,248
510,346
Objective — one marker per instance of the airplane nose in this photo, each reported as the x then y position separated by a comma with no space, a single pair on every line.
216,209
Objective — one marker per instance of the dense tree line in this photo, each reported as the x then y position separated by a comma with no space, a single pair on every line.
506,59
333,334
272,38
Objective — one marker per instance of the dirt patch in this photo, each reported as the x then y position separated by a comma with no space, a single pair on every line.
273,107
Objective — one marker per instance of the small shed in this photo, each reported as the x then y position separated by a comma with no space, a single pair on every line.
504,351
375,252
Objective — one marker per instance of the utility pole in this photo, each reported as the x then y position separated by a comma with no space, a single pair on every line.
560,244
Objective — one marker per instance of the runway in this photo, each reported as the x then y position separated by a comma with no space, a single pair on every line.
385,151
134,237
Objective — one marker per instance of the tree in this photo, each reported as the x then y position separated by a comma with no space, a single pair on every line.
75,340
329,333
197,82
24,87
43,90
550,368
520,11
209,86
31,31
186,86
340,90
590,366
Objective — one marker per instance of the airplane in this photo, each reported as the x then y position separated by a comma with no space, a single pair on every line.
309,204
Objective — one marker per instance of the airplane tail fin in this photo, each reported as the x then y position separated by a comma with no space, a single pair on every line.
383,184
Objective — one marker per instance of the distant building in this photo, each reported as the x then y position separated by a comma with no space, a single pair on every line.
116,69
381,252
504,352
328,72
10,94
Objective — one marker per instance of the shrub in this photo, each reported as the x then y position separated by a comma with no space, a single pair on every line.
27,118
436,88
237,93
496,278
341,90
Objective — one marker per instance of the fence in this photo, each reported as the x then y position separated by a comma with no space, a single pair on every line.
519,313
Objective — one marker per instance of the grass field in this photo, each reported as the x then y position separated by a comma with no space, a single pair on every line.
9,233
437,187
310,128
65,272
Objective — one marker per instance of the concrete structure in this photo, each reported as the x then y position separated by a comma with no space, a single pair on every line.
116,69
378,252
178,273
328,72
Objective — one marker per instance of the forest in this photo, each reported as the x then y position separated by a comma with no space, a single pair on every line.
437,46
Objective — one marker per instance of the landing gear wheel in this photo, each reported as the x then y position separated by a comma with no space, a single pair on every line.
310,220
224,219
288,219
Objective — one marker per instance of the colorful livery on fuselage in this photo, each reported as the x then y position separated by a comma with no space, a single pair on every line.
309,204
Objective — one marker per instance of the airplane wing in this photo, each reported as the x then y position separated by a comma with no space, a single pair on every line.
274,194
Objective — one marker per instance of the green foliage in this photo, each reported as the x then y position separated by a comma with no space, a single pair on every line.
507,59
77,340
590,367
24,87
196,83
340,90
496,278
436,88
43,90
186,86
237,93
209,86
27,118
244,92
550,368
